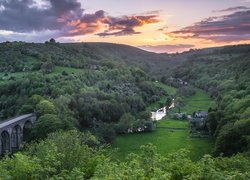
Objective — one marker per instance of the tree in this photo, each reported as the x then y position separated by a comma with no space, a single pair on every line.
45,107
168,101
46,124
105,132
212,122
179,102
47,67
34,100
25,109
229,141
19,166
52,41
125,123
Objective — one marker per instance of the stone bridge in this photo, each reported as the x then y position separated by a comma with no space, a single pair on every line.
14,131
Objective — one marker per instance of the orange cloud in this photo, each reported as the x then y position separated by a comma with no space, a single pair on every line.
126,25
117,26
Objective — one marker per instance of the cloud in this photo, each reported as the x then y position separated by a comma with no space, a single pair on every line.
163,28
231,9
153,12
126,25
167,48
87,24
23,16
229,28
65,16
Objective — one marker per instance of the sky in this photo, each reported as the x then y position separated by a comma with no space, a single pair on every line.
154,25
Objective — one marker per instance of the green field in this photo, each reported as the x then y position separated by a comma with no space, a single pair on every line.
57,70
170,135
166,140
199,101
16,74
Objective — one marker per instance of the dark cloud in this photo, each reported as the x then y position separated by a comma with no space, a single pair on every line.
20,16
167,48
231,9
229,28
126,24
87,24
66,16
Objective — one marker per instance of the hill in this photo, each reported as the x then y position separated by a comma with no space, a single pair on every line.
79,55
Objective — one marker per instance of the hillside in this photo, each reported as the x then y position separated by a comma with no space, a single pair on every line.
225,74
94,85
79,55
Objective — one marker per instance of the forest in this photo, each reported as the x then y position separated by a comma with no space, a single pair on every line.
86,94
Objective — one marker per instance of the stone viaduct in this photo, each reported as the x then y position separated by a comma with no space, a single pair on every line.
14,131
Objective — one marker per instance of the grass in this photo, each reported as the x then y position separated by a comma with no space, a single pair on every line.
16,74
199,101
169,89
59,69
165,139
170,135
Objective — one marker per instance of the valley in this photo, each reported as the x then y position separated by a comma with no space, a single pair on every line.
170,134
124,90
93,104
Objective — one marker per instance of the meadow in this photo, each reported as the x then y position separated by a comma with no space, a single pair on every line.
6,77
199,101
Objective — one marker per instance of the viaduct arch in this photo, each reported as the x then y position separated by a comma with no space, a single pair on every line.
14,131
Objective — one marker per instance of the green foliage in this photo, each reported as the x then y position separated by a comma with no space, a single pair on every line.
232,137
64,155
75,155
125,123
20,166
150,165
34,100
25,109
179,102
64,152
105,132
186,91
168,101
46,124
45,107
47,67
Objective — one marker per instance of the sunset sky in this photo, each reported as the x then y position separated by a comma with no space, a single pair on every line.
155,25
